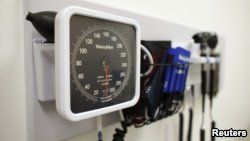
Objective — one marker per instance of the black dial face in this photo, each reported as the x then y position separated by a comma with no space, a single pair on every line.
102,57
101,63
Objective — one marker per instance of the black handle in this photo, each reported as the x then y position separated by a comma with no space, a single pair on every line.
213,126
190,124
181,127
203,88
203,80
211,84
202,135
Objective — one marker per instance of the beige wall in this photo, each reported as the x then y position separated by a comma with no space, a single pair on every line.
229,17
12,87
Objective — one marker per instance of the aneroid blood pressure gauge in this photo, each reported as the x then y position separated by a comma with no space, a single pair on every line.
97,63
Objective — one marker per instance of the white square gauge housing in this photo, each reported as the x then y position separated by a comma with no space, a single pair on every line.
97,63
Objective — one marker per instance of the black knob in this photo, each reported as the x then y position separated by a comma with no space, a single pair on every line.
201,37
212,41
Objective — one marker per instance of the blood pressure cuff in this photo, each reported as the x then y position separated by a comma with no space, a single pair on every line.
162,90
136,114
153,90
175,81
152,84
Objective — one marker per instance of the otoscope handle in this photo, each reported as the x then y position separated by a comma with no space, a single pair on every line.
190,124
181,127
203,87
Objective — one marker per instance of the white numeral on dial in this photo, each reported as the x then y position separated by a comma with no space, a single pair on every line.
114,38
79,63
83,50
89,41
124,65
96,92
80,76
97,35
118,83
106,34
112,89
119,45
87,86
122,74
123,54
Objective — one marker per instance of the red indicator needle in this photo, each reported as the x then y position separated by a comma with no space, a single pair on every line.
106,76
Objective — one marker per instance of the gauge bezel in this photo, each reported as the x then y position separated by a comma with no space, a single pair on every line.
62,62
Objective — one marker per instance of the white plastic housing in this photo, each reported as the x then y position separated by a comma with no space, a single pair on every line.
44,62
62,62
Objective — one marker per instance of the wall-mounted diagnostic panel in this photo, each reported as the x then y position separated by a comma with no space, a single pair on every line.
89,62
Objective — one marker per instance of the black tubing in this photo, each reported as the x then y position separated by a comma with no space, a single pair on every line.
202,135
189,138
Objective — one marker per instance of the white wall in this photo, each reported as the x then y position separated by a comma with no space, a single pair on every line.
229,17
12,88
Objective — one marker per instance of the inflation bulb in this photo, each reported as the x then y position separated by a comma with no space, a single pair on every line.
44,23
